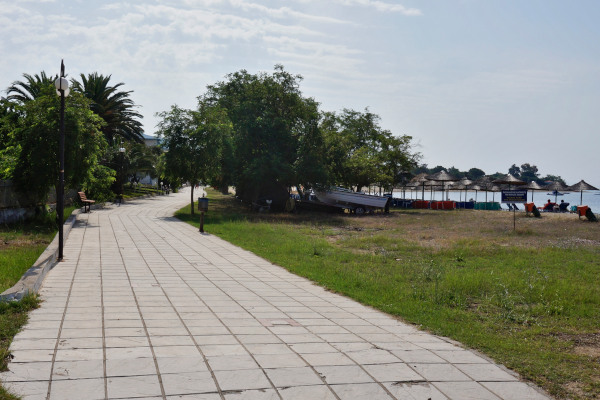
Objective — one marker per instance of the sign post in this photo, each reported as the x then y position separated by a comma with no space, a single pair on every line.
512,197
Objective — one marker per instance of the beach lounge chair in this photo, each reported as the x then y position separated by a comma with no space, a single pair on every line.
563,207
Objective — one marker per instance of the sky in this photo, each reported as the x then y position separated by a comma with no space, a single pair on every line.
476,83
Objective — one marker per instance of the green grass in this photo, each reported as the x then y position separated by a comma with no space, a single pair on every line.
22,243
13,315
530,299
15,261
20,246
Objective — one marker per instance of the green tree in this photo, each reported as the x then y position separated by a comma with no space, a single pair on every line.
436,169
397,159
31,88
113,105
9,149
475,173
552,178
456,172
36,138
276,142
529,172
421,169
192,140
361,153
515,171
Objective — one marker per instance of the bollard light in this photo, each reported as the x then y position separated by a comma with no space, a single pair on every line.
202,207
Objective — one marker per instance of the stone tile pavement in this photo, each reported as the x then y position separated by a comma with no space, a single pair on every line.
146,307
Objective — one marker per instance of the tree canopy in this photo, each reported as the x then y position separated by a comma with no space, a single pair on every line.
35,143
113,105
360,153
193,142
31,88
275,141
96,112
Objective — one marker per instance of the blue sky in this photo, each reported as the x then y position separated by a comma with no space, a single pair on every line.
477,83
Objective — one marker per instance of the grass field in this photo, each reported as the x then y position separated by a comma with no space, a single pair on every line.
529,298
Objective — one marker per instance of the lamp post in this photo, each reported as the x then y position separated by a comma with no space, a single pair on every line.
122,177
62,89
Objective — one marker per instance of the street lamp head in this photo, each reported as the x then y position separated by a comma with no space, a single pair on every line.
62,83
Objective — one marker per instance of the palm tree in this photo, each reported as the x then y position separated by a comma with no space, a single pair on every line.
31,88
113,106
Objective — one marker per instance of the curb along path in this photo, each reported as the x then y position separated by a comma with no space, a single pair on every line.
146,307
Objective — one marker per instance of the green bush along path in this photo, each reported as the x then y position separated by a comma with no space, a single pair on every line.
529,299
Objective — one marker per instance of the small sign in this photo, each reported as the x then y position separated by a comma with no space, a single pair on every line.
514,196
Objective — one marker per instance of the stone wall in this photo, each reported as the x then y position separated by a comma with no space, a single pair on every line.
15,206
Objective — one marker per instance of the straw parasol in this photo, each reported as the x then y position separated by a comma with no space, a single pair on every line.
475,188
555,187
420,180
533,186
509,180
443,177
580,187
465,182
494,189
485,183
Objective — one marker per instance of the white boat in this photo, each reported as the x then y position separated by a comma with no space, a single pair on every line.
347,199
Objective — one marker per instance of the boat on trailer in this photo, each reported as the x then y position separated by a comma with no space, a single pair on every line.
358,203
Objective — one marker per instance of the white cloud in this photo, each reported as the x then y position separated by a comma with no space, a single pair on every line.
375,4
285,12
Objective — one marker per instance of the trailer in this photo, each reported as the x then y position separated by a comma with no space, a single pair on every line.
358,203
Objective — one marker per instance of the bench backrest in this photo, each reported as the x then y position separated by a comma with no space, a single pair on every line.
82,196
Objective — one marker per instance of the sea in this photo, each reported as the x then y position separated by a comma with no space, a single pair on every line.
590,198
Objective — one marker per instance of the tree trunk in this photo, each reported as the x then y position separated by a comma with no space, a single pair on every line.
192,198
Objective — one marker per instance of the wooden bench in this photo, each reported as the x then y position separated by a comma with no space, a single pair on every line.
87,204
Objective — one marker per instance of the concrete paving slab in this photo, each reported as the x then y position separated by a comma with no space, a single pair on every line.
144,306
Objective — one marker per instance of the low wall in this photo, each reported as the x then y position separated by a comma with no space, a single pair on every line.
15,206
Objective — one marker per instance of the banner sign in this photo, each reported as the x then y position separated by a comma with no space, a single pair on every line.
514,196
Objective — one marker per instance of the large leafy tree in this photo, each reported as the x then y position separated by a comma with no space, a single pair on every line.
276,142
113,105
529,172
361,153
193,143
35,141
475,173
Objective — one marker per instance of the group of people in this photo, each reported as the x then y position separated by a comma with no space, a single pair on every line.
555,207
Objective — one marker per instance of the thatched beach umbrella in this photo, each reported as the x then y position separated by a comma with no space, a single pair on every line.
465,182
485,183
443,177
555,187
494,189
420,180
580,187
509,180
533,186
475,188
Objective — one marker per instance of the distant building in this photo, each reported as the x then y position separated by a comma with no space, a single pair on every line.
151,141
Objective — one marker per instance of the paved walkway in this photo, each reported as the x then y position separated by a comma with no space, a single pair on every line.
146,307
